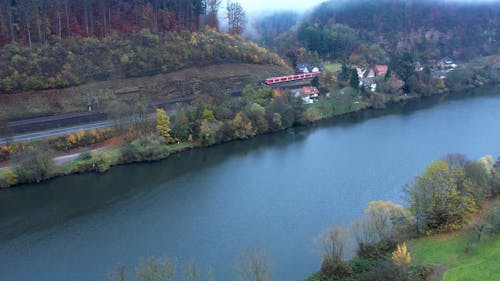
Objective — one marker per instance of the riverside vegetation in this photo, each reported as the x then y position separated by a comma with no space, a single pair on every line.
451,225
441,200
210,120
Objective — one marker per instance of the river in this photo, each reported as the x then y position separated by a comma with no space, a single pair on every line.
275,192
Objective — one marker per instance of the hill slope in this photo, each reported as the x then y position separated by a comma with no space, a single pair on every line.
107,95
82,60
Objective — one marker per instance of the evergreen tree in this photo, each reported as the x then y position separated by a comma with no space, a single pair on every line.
354,82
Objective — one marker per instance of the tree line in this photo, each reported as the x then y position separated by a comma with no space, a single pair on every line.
30,21
429,29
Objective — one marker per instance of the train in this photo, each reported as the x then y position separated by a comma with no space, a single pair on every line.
291,78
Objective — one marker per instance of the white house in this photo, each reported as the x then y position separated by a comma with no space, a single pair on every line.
308,94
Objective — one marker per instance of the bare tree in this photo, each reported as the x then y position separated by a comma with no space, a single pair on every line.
157,269
236,18
191,272
254,265
332,242
213,13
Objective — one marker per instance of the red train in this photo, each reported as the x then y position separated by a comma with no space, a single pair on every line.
289,78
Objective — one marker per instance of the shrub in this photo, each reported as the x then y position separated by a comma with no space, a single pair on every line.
93,162
493,218
149,148
35,165
401,256
375,251
11,178
335,267
80,139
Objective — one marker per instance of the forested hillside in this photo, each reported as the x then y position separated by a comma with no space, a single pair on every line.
371,31
31,21
80,60
61,43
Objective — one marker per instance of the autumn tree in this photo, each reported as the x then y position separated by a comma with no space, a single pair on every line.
435,201
382,221
236,18
163,125
208,132
401,256
243,127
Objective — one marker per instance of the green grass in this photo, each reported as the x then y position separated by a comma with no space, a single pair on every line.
334,67
180,146
329,108
480,263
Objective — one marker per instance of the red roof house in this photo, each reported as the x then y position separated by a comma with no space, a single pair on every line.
309,91
380,69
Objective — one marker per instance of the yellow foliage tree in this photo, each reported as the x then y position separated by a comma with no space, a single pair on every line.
208,115
79,135
242,126
163,125
401,256
71,139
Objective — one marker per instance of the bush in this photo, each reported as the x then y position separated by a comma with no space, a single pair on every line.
377,250
149,148
93,162
11,178
35,165
493,218
335,267
80,139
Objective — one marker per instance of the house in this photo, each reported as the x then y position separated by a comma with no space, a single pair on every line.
446,64
418,67
361,72
370,73
308,94
439,74
380,69
302,68
369,83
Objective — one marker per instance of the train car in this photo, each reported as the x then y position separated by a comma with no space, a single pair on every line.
291,78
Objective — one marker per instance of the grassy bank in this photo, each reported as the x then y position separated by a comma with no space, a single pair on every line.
329,108
459,256
448,253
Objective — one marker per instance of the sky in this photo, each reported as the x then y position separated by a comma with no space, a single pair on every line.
253,6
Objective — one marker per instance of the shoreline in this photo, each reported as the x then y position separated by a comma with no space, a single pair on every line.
112,152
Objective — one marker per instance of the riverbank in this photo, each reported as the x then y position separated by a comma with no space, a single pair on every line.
112,156
276,191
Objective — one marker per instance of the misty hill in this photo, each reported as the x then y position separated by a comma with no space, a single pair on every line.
428,30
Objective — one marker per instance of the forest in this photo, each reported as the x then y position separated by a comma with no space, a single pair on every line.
31,21
342,30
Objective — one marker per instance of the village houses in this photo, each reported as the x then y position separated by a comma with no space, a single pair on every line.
367,76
